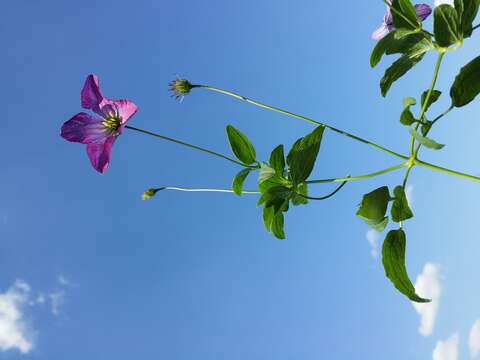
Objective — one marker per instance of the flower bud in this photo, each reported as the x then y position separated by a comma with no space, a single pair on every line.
149,193
180,88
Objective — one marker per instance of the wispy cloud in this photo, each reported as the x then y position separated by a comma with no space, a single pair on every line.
372,238
15,334
428,286
474,339
448,349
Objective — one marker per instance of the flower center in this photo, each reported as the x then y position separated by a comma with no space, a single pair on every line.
112,123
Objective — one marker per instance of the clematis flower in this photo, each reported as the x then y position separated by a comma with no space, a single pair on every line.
100,130
423,12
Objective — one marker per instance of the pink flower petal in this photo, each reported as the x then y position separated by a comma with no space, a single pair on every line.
84,128
100,154
91,96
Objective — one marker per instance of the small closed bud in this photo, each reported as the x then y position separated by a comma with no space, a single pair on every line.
180,88
149,193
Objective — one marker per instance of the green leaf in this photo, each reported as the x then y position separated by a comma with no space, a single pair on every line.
241,146
400,210
376,225
434,96
400,67
467,84
277,160
445,26
277,226
390,44
301,158
268,215
265,173
404,15
425,141
393,258
277,196
373,208
467,11
407,118
238,180
300,200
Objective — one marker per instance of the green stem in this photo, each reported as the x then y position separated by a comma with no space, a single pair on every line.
446,171
431,125
189,145
288,113
427,99
326,196
175,188
360,177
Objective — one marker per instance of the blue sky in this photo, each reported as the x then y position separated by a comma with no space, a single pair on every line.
195,275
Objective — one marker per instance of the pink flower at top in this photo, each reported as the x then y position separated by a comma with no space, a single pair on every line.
100,130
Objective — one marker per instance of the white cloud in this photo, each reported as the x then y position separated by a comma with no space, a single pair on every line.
14,332
448,349
428,286
373,237
57,300
474,339
441,2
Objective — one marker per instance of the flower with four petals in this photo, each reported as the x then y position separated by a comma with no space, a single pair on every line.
100,130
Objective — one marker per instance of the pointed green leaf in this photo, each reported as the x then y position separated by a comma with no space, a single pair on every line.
267,215
241,146
390,44
277,160
404,64
301,158
404,15
373,208
393,258
277,226
434,96
467,11
467,84
425,141
446,26
238,180
400,210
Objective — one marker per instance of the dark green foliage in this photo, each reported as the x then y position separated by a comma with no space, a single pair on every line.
434,96
467,84
302,156
238,180
241,146
404,15
393,258
373,208
400,210
446,26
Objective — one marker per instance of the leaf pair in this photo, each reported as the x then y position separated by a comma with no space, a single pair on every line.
374,205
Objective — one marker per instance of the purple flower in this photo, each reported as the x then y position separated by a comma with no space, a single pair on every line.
99,131
423,12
